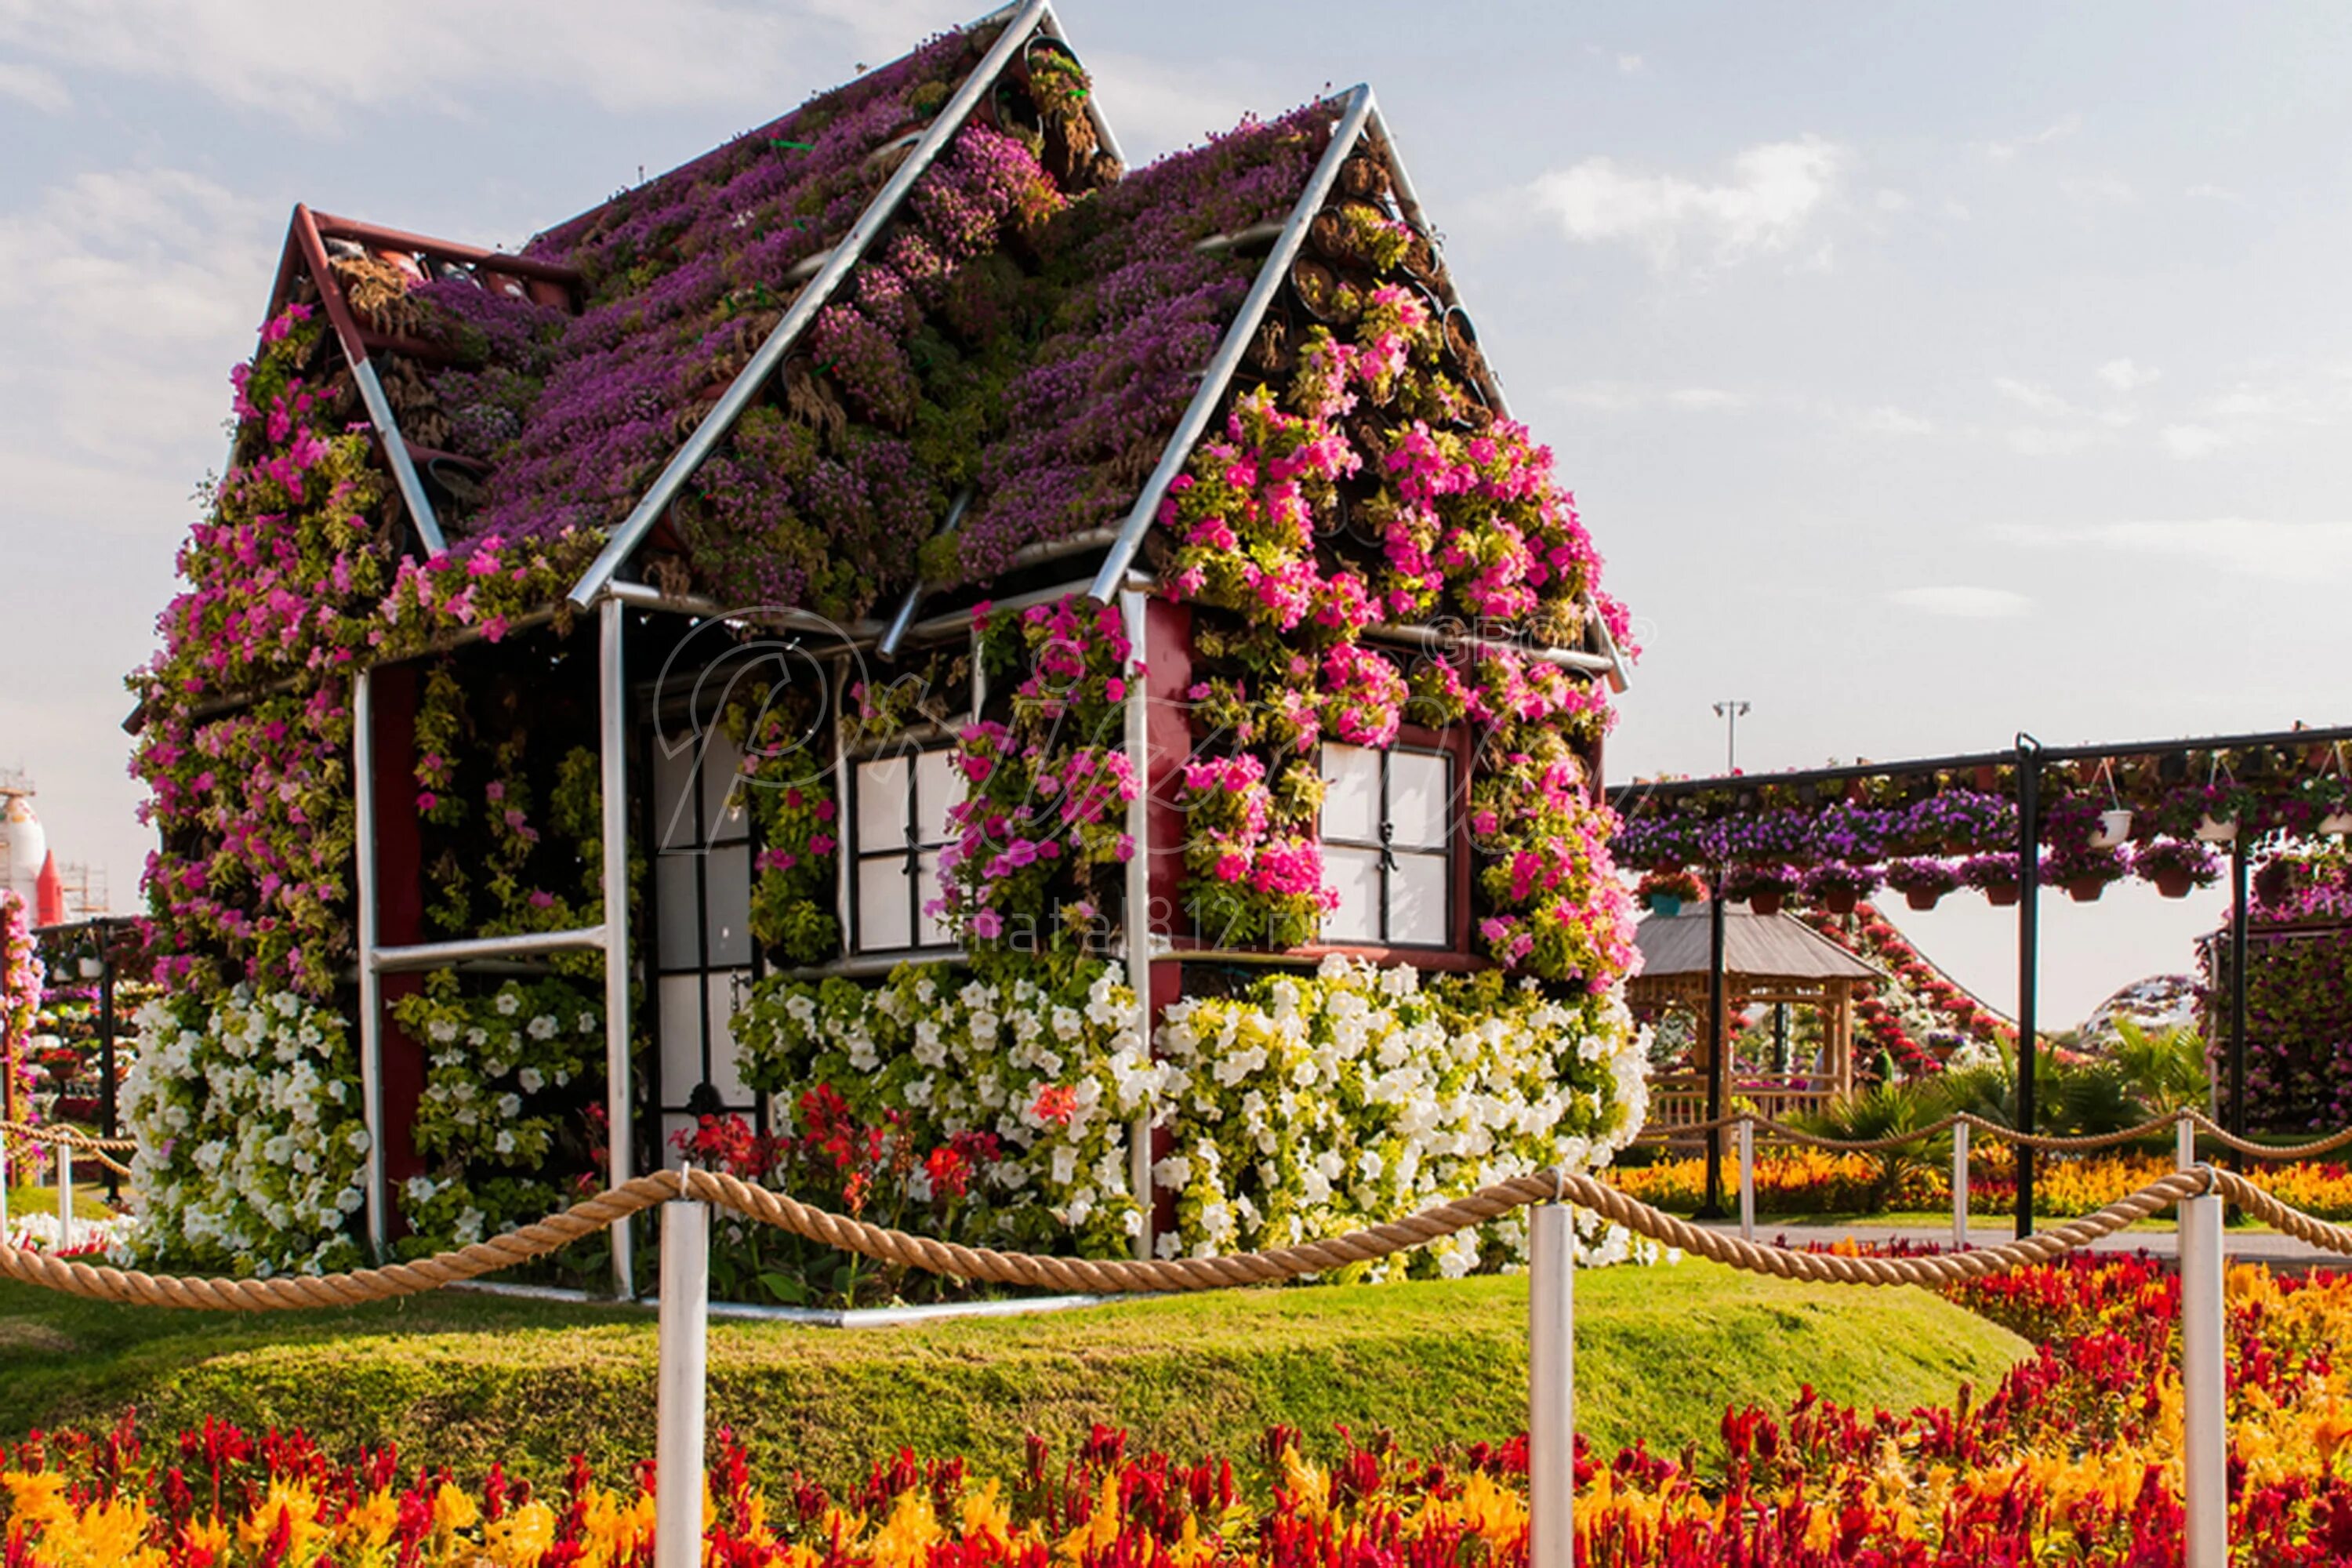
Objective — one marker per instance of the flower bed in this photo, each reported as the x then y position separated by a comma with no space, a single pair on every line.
2073,1459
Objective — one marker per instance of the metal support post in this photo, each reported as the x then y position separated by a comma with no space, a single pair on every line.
2238,917
3,1189
2029,960
1961,1185
65,1196
2184,1142
614,741
1551,1387
683,1333
1717,1031
1746,1179
2204,1412
1136,921
373,1181
109,1113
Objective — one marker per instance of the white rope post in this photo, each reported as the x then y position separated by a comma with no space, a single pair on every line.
3,1189
1960,1184
1746,1179
1551,1387
2204,1438
65,1196
680,1388
2184,1142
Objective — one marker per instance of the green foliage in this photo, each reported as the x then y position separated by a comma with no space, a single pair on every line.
1659,1355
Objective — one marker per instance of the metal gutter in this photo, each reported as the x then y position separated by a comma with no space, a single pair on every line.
747,385
1357,109
379,408
525,944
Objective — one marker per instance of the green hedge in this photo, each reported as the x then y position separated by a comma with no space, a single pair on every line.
466,1379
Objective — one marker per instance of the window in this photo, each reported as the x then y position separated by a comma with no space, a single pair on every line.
1388,846
702,926
901,802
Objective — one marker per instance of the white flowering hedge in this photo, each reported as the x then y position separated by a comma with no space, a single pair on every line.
1045,1061
1302,1107
1305,1106
252,1150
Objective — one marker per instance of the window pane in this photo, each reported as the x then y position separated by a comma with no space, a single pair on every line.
884,913
681,1036
1417,900
727,895
725,1063
1351,806
934,930
674,894
1356,874
673,804
882,786
1418,803
721,758
938,784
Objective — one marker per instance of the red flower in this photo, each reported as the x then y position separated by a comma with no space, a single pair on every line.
1057,1103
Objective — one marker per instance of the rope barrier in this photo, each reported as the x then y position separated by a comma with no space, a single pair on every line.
1086,1275
25,1131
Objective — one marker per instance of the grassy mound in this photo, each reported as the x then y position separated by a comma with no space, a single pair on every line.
466,1379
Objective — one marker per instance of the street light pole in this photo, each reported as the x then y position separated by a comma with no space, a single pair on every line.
1731,711
1717,1031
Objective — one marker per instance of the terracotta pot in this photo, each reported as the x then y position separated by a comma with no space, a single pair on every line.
1841,900
1987,778
1765,903
1922,898
2002,895
2086,889
2174,882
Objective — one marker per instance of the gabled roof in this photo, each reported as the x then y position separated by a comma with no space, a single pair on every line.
1754,947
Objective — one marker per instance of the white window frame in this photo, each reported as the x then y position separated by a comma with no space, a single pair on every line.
904,859
1382,843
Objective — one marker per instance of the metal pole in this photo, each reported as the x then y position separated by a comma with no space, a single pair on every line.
1715,1049
1551,1387
377,1191
1961,1185
108,1112
2184,1142
3,1189
1137,933
614,739
2238,916
2029,938
684,1334
65,1196
2204,1438
1746,1179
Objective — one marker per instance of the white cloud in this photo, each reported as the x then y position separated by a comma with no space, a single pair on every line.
1618,397
2190,442
34,86
2254,547
2111,188
1962,602
2057,130
1888,420
1629,64
2037,398
284,57
1772,194
2127,375
1156,107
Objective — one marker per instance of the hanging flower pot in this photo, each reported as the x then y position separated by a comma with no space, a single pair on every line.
1923,899
2115,826
2337,822
1765,903
1665,905
1841,900
1988,777
2086,889
2000,895
2217,829
2174,881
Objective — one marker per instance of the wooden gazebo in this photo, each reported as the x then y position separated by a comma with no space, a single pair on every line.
1773,958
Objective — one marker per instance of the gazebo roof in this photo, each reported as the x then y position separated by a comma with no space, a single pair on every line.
1756,947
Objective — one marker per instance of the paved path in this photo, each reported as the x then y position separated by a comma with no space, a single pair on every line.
2245,1247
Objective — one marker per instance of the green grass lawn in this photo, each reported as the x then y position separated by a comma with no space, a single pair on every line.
466,1379
90,1201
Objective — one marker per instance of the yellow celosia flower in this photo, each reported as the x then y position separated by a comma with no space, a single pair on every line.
522,1537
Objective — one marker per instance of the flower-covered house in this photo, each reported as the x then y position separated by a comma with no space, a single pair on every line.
1048,701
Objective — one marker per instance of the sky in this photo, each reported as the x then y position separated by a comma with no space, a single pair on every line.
1926,374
